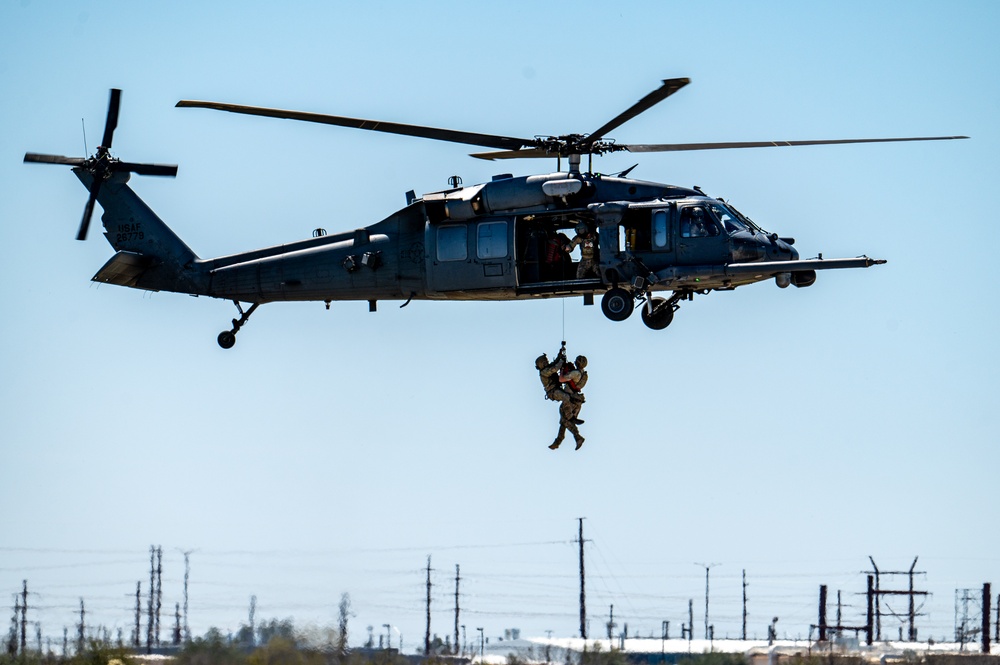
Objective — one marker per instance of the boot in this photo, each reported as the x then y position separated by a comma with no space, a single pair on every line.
556,444
579,442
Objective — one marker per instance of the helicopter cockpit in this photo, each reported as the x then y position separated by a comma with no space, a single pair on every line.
701,221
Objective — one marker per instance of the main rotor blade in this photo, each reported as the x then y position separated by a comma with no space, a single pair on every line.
52,159
451,135
675,147
88,210
112,122
527,153
146,169
669,87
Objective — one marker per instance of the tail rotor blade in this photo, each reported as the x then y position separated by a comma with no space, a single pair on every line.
169,170
112,122
52,159
88,211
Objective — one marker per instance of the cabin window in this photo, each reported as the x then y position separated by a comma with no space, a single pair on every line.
452,243
660,238
492,240
729,221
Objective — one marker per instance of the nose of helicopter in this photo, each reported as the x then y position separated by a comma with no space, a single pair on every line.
794,252
780,249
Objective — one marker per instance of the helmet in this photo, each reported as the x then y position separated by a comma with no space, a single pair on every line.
541,361
581,362
697,212
582,228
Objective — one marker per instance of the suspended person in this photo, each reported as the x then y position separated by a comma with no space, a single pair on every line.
569,404
573,377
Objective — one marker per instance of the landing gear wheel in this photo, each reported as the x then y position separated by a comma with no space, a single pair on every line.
227,338
617,304
657,314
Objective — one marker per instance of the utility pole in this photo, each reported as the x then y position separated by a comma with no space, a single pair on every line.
82,629
187,573
12,638
583,594
24,616
611,623
482,645
457,578
878,611
251,618
137,635
152,586
159,591
822,613
177,624
427,635
690,619
986,618
839,622
871,598
913,613
707,567
744,604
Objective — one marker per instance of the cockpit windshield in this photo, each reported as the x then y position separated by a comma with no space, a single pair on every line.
730,221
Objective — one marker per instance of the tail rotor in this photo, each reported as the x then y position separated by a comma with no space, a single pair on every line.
101,165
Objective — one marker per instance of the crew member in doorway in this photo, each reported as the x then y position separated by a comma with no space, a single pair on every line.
588,252
557,263
550,374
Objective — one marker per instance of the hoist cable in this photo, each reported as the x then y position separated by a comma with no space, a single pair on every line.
563,318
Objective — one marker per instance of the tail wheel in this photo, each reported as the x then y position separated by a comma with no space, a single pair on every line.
227,339
657,314
617,304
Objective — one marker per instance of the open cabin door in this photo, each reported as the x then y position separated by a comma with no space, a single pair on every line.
471,256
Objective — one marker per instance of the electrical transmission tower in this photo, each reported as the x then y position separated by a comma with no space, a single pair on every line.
972,616
910,593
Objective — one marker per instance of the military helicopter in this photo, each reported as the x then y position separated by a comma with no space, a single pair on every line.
501,240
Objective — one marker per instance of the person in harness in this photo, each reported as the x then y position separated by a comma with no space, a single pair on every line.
563,382
588,252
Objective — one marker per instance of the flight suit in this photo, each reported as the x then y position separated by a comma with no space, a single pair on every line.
588,254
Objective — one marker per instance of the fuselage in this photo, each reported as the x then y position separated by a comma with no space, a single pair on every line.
502,240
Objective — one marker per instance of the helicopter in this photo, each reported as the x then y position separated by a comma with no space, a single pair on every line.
651,244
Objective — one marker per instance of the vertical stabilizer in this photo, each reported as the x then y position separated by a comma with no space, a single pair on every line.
150,255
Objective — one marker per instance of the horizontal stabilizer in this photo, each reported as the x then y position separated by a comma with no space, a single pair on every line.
123,269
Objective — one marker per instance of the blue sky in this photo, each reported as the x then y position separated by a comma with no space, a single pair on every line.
789,432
